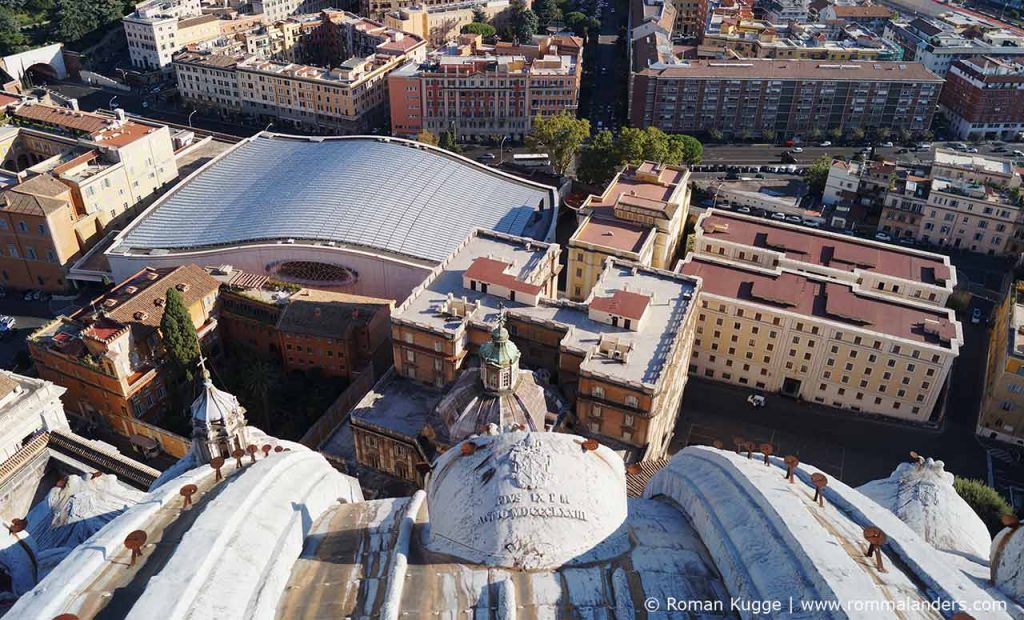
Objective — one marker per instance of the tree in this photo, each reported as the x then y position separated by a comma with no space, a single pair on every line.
985,501
547,12
598,159
259,379
447,142
691,150
631,147
769,135
426,138
523,21
856,135
11,38
883,134
836,133
484,30
479,15
816,175
714,135
580,24
560,136
179,335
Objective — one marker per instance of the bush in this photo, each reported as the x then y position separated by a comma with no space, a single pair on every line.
484,30
986,502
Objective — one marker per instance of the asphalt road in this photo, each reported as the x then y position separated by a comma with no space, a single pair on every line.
604,102
747,154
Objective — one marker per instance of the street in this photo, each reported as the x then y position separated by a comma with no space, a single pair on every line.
602,99
745,154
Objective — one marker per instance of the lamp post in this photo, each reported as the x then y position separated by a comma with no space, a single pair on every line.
110,105
501,152
190,118
269,125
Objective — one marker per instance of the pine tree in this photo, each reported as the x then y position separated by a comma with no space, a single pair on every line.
179,335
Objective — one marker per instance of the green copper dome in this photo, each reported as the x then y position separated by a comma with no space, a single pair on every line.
500,352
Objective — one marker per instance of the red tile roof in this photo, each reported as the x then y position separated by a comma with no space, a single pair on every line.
622,303
826,300
62,117
827,251
492,271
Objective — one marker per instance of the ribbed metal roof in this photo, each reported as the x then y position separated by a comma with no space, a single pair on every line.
391,195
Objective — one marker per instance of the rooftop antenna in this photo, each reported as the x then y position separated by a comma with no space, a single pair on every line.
766,449
216,464
187,492
238,453
820,481
134,542
791,463
876,538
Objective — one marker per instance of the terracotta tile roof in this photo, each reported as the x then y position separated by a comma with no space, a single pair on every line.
7,99
622,303
138,301
493,272
863,10
799,244
826,300
84,158
126,133
104,329
62,117
616,234
28,204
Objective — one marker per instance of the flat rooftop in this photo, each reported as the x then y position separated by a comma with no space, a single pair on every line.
819,298
398,405
827,249
777,69
973,162
615,234
384,194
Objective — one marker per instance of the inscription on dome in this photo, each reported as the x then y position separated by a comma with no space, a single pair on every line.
534,504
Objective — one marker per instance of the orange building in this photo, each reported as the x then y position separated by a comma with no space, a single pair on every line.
37,237
109,356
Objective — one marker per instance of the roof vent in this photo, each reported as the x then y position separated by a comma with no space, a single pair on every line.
183,287
158,302
141,316
152,275
131,290
109,303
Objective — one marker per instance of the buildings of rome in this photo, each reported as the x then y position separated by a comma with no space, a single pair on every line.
67,178
982,98
1002,406
846,322
619,357
345,227
639,217
108,356
438,24
483,91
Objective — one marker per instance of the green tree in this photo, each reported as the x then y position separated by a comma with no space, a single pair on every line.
179,335
484,30
598,159
579,23
816,175
769,135
547,12
883,134
426,138
835,134
856,135
447,142
259,378
986,501
715,135
11,38
523,21
480,15
560,136
692,151
632,145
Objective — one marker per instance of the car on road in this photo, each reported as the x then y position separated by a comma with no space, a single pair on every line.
486,157
924,146
1018,153
886,145
794,219
825,143
882,236
743,210
797,149
972,150
756,400
789,142
812,224
976,316
779,216
999,149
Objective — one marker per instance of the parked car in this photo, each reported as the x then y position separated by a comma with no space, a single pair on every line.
756,400
794,219
743,210
882,236
779,216
789,142
924,146
825,143
28,295
886,145
976,315
972,150
37,295
486,157
797,149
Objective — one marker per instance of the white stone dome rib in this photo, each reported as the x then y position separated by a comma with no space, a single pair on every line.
923,497
1008,563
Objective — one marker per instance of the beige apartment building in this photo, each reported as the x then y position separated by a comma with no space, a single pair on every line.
69,177
620,356
639,217
156,30
845,322
350,97
439,24
1002,408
